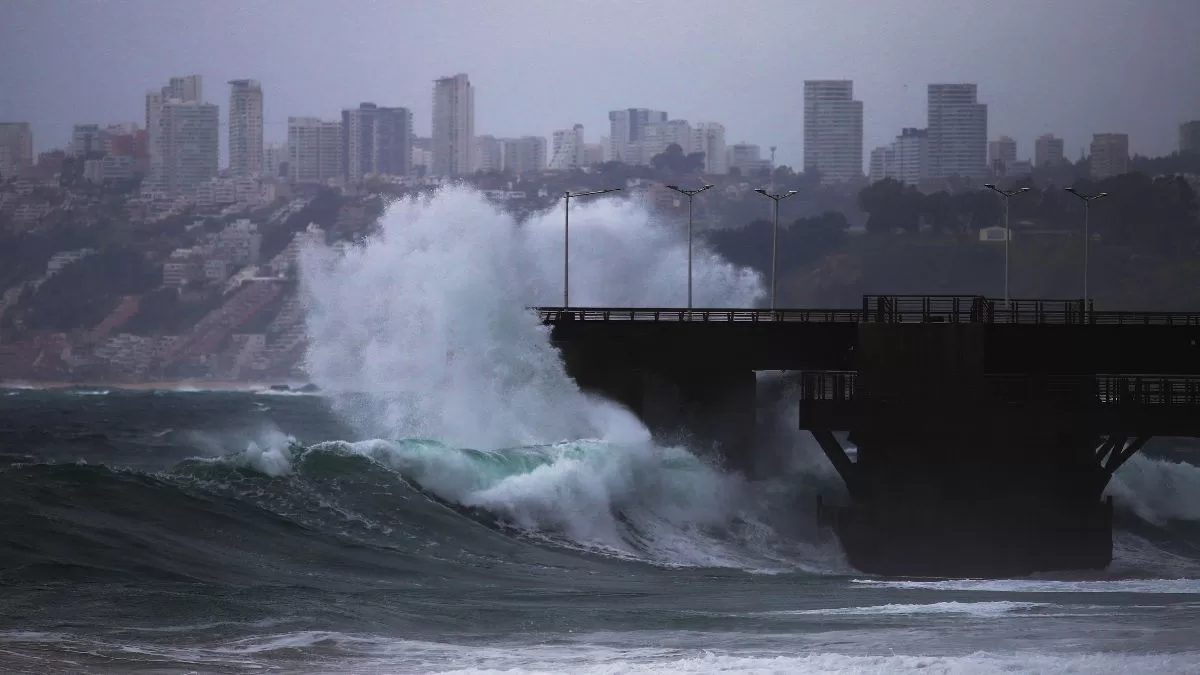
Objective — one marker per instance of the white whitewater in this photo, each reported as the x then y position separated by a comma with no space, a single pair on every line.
429,318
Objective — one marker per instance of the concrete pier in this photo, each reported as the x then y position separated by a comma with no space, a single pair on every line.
986,433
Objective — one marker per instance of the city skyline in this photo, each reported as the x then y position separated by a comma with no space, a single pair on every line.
1046,79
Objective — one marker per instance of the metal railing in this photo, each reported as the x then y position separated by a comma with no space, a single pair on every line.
557,314
1106,389
925,308
894,309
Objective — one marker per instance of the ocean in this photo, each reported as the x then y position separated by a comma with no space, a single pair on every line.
451,502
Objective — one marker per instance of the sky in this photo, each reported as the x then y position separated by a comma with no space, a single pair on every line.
1068,67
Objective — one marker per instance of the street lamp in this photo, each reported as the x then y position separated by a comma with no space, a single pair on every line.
1087,202
1007,232
775,237
689,194
567,237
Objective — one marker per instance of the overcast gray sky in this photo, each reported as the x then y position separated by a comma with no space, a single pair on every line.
1071,67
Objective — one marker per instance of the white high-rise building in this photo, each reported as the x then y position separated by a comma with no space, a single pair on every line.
833,130
275,155
525,154
245,128
314,150
593,153
453,125
489,153
883,164
190,147
905,160
957,132
185,88
657,136
910,155
567,149
709,138
626,130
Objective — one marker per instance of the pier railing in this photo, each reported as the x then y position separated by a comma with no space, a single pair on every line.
556,314
892,309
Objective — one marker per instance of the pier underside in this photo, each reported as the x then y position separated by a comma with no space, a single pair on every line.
987,506
985,434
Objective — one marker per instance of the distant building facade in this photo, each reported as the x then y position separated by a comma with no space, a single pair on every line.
376,140
314,150
567,149
1189,137
833,130
453,125
245,128
525,154
709,138
1048,151
957,131
190,147
1110,155
1001,152
627,129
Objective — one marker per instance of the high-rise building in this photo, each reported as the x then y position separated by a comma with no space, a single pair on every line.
1001,152
957,132
275,156
1048,151
314,150
190,146
593,153
393,141
657,137
245,127
488,153
16,148
185,88
1110,155
376,140
525,154
567,149
905,160
747,158
910,152
833,130
182,89
709,138
627,129
453,125
1189,137
883,164
86,139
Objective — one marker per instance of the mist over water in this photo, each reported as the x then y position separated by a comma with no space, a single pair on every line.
423,332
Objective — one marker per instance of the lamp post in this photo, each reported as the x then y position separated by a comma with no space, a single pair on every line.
567,238
689,194
1087,202
1007,232
775,238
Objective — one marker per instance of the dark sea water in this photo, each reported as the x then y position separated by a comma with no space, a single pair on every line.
174,532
